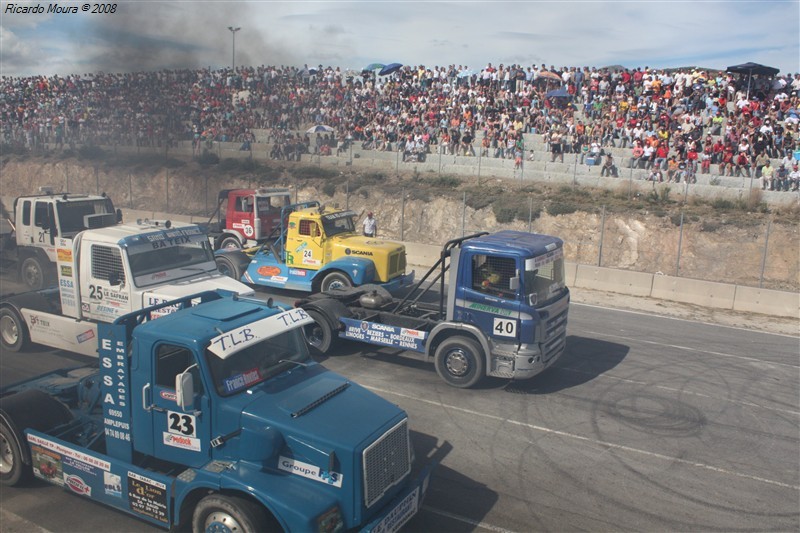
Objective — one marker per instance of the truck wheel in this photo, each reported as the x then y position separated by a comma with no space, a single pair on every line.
32,274
12,469
459,361
319,335
218,513
13,331
335,280
230,243
229,267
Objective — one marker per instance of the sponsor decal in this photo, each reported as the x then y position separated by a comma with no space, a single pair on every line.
488,308
77,485
242,380
268,270
69,452
299,468
349,251
301,247
112,484
36,320
85,336
179,441
85,307
158,275
66,271
47,465
64,254
384,335
278,279
169,396
298,272
147,497
237,339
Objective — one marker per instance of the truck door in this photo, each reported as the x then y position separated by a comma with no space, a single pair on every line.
304,245
25,234
180,436
241,215
486,297
40,232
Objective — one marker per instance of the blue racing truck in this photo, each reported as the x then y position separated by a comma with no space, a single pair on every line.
214,416
501,310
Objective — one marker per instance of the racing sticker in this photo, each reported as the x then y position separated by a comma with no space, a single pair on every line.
112,484
240,381
77,485
310,471
181,431
504,328
147,497
47,465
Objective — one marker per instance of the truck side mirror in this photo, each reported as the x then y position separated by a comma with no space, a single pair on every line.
114,279
184,389
119,215
513,283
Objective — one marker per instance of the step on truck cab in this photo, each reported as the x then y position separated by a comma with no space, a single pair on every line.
215,416
245,217
28,242
109,272
501,310
317,249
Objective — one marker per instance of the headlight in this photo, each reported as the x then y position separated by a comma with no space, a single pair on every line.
330,521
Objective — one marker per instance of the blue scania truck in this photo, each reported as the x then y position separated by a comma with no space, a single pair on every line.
215,416
501,309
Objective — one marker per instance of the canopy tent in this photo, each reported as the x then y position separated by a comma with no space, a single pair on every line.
752,68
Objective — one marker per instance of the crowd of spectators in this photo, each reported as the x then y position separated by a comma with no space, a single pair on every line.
676,123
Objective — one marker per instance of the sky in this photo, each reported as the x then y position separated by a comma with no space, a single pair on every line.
154,35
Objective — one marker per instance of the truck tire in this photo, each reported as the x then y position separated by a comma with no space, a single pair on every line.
229,267
460,362
319,335
335,280
13,331
217,512
13,471
33,274
229,243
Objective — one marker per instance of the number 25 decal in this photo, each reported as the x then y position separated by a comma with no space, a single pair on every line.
505,328
181,424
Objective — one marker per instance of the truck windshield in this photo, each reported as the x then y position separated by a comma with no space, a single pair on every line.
70,214
265,204
544,277
336,223
258,362
167,260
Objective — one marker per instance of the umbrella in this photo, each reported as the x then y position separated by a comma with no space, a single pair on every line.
750,69
388,69
374,66
550,75
559,93
319,128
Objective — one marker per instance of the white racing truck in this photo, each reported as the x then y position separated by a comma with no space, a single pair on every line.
29,234
107,273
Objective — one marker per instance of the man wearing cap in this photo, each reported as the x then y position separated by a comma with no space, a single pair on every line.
370,225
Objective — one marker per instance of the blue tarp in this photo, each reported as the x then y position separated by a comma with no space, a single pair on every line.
558,93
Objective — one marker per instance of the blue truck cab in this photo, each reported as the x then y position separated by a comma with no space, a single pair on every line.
501,310
215,416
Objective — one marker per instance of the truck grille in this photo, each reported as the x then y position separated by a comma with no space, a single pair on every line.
397,264
386,463
555,339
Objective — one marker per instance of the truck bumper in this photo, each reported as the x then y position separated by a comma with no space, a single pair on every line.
404,506
400,282
529,361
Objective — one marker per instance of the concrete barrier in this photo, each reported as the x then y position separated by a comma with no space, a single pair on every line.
692,291
768,302
609,279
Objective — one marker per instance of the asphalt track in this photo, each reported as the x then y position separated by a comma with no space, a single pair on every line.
646,423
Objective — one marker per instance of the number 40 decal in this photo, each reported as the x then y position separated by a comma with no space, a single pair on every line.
505,328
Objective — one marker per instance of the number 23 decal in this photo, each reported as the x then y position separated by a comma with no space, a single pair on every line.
181,424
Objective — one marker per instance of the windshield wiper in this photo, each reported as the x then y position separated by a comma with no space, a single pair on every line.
298,363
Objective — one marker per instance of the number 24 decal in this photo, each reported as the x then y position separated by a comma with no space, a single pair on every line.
181,424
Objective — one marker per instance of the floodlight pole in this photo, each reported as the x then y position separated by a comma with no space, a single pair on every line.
233,52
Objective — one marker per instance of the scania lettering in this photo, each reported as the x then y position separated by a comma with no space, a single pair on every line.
186,432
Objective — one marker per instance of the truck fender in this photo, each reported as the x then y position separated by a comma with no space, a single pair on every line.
238,259
359,269
32,409
330,308
448,329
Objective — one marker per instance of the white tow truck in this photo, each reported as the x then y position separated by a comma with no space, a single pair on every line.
109,272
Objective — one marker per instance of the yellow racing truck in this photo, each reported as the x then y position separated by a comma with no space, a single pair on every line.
315,249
